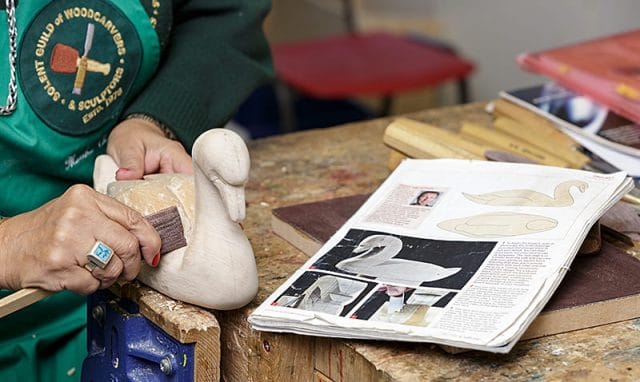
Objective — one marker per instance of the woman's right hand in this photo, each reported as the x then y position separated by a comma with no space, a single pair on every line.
47,248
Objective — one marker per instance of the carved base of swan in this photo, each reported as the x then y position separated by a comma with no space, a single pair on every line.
217,268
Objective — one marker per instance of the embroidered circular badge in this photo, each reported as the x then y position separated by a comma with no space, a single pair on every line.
78,60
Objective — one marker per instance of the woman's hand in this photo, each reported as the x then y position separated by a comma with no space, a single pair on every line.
47,247
139,147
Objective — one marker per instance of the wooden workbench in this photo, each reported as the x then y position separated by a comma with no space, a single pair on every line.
351,159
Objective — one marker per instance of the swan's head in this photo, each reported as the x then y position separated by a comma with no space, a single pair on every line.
582,186
378,242
224,159
443,273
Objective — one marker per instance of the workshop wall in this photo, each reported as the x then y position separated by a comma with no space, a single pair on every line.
491,33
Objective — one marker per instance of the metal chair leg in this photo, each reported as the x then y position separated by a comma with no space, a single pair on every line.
286,107
463,91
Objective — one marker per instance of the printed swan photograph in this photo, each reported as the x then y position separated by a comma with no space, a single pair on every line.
375,257
404,260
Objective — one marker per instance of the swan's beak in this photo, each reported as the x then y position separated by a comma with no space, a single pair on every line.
360,249
233,199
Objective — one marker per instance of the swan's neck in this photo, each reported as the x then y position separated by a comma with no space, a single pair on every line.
212,226
562,192
385,254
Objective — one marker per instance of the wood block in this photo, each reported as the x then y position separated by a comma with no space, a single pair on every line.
339,362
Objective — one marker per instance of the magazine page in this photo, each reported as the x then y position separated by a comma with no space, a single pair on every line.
580,115
463,253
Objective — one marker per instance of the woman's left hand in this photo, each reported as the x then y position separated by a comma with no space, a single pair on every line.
139,147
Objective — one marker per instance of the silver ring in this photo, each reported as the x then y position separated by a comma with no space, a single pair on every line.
99,256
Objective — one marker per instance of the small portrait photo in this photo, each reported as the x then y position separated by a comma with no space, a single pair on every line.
426,198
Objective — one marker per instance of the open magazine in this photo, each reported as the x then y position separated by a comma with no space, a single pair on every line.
579,114
456,252
608,135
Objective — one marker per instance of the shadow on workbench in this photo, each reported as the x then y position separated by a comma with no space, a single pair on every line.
260,117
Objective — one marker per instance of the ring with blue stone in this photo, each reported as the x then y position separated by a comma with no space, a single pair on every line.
99,256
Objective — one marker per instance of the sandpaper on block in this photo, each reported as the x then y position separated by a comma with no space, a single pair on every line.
168,224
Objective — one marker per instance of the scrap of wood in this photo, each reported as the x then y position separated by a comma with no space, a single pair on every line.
166,222
21,299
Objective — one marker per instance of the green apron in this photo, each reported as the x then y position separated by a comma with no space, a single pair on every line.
63,117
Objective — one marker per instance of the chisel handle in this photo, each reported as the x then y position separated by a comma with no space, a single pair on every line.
543,142
537,123
421,140
512,144
80,76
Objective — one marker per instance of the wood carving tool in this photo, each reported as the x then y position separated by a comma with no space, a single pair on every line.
544,142
169,226
421,140
66,59
509,143
82,67
532,121
549,132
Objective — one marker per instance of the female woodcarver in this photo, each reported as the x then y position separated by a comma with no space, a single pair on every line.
85,77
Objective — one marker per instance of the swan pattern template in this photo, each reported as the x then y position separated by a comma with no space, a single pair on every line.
499,224
507,224
217,269
375,257
561,196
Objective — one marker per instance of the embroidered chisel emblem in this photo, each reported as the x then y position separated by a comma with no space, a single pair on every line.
77,62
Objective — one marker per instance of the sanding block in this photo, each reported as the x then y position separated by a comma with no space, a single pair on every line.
169,226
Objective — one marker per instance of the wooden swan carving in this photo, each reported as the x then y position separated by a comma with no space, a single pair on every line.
561,196
217,269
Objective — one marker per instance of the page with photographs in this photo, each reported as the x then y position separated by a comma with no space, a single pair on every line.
456,252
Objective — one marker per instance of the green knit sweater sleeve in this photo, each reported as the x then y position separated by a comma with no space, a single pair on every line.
216,56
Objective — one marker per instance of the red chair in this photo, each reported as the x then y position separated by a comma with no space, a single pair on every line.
364,64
